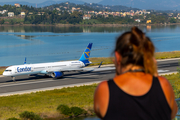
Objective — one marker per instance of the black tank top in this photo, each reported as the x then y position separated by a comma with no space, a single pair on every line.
151,106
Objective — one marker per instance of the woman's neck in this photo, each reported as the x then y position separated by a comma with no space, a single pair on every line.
130,67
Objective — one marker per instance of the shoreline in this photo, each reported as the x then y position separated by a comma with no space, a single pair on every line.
92,25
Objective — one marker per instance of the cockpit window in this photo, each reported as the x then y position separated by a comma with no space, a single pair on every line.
8,70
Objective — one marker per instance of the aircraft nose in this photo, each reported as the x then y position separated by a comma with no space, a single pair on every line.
4,73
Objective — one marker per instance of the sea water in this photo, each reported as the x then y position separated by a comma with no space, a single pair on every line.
51,44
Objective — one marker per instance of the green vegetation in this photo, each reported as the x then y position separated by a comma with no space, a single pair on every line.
97,61
13,21
53,17
64,109
13,118
73,111
2,70
30,116
174,80
158,55
45,103
77,111
167,55
59,103
71,13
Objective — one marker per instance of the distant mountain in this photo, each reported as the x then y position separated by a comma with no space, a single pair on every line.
50,2
140,4
146,4
109,7
46,3
20,2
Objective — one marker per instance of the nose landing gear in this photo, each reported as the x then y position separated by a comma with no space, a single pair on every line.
13,78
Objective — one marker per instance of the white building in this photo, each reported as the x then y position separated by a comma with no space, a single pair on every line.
23,14
86,17
137,20
10,14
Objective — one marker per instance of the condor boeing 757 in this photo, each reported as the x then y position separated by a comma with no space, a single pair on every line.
56,69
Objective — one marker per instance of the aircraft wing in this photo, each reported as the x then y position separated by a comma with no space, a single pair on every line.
65,70
72,69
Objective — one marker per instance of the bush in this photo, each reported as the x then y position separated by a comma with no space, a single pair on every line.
77,111
13,118
30,116
64,109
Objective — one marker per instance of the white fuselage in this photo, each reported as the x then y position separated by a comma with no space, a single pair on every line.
43,68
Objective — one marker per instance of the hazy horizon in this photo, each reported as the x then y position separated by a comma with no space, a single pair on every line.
145,4
40,1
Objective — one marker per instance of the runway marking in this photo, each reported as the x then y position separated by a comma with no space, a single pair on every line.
82,75
106,72
39,81
160,71
169,59
164,65
15,84
168,73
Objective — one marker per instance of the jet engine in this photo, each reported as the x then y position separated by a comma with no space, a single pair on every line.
57,74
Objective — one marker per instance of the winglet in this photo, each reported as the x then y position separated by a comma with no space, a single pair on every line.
25,61
100,64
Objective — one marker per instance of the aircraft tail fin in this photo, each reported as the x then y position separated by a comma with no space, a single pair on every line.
86,54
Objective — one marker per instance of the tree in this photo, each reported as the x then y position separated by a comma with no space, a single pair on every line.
172,20
11,22
75,17
1,21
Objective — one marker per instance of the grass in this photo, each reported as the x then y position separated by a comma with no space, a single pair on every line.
167,55
2,70
14,20
45,103
174,80
97,61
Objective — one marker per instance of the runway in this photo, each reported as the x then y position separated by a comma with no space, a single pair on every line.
26,84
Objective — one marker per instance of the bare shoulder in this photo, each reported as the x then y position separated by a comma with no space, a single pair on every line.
102,85
101,98
168,92
101,88
165,84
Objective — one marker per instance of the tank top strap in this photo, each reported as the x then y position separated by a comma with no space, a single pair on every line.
156,86
113,88
158,91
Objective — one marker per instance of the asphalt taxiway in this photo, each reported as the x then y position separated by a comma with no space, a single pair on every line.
26,84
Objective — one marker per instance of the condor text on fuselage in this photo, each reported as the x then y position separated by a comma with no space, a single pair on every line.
55,69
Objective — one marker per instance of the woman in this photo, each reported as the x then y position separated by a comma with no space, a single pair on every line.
136,92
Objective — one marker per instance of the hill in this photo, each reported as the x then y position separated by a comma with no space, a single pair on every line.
94,7
146,4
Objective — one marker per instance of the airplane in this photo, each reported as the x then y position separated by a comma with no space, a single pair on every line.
55,69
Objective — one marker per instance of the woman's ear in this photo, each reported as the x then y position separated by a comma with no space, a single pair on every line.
118,58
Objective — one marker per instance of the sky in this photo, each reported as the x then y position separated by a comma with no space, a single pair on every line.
40,1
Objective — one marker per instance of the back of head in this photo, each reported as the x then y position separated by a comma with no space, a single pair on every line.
136,49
